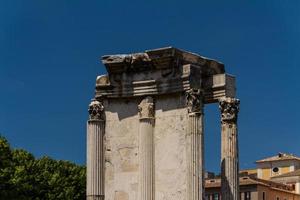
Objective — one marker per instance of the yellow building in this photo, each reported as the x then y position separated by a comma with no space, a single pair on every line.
275,178
277,165
250,172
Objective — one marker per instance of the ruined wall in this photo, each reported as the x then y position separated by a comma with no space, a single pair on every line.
170,148
151,154
121,141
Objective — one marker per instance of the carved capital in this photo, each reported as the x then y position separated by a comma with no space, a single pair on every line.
229,108
146,108
194,101
96,110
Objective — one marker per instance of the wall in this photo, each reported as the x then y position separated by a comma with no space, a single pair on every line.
272,194
122,130
257,192
121,154
170,148
295,180
243,188
264,170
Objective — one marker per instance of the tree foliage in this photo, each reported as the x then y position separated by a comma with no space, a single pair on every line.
22,177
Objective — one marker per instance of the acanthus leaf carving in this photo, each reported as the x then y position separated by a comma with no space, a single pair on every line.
146,108
194,100
229,108
96,110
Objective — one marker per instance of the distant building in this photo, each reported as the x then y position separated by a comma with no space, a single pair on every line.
253,189
277,165
275,178
291,178
250,172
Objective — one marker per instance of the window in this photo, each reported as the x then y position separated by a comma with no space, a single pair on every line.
207,197
247,196
264,196
275,169
216,196
277,198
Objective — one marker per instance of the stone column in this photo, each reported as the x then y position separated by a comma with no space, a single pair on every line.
95,151
146,150
195,146
229,108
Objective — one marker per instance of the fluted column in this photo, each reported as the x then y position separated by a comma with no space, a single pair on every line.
146,150
95,151
195,146
229,108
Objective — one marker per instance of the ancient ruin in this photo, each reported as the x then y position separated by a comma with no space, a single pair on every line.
145,131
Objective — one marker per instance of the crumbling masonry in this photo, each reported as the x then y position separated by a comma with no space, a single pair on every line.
145,138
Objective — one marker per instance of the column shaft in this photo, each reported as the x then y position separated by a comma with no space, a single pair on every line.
229,150
195,157
146,159
146,149
95,152
195,146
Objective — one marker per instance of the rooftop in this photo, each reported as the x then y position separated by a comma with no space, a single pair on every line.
280,156
247,180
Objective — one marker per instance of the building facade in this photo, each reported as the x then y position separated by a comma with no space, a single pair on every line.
290,178
253,189
275,178
279,164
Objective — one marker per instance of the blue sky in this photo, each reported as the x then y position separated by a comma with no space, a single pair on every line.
50,56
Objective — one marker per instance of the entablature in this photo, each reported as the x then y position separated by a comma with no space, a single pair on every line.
163,71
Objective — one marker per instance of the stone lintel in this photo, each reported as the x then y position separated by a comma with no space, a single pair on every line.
216,87
163,58
163,71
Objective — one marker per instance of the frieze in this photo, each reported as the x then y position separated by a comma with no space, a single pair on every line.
163,71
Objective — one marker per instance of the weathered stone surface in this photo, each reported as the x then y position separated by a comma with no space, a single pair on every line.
163,71
121,148
162,58
146,108
229,108
96,110
146,149
120,195
170,148
95,151
122,136
194,101
153,123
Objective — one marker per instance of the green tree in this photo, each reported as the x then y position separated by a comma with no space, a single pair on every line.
22,177
6,169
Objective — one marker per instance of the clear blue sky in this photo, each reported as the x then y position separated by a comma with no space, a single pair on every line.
50,56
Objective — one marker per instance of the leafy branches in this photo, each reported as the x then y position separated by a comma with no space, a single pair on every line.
22,177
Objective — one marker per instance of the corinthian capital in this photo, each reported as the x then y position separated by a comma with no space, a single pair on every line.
229,108
96,110
146,108
194,100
